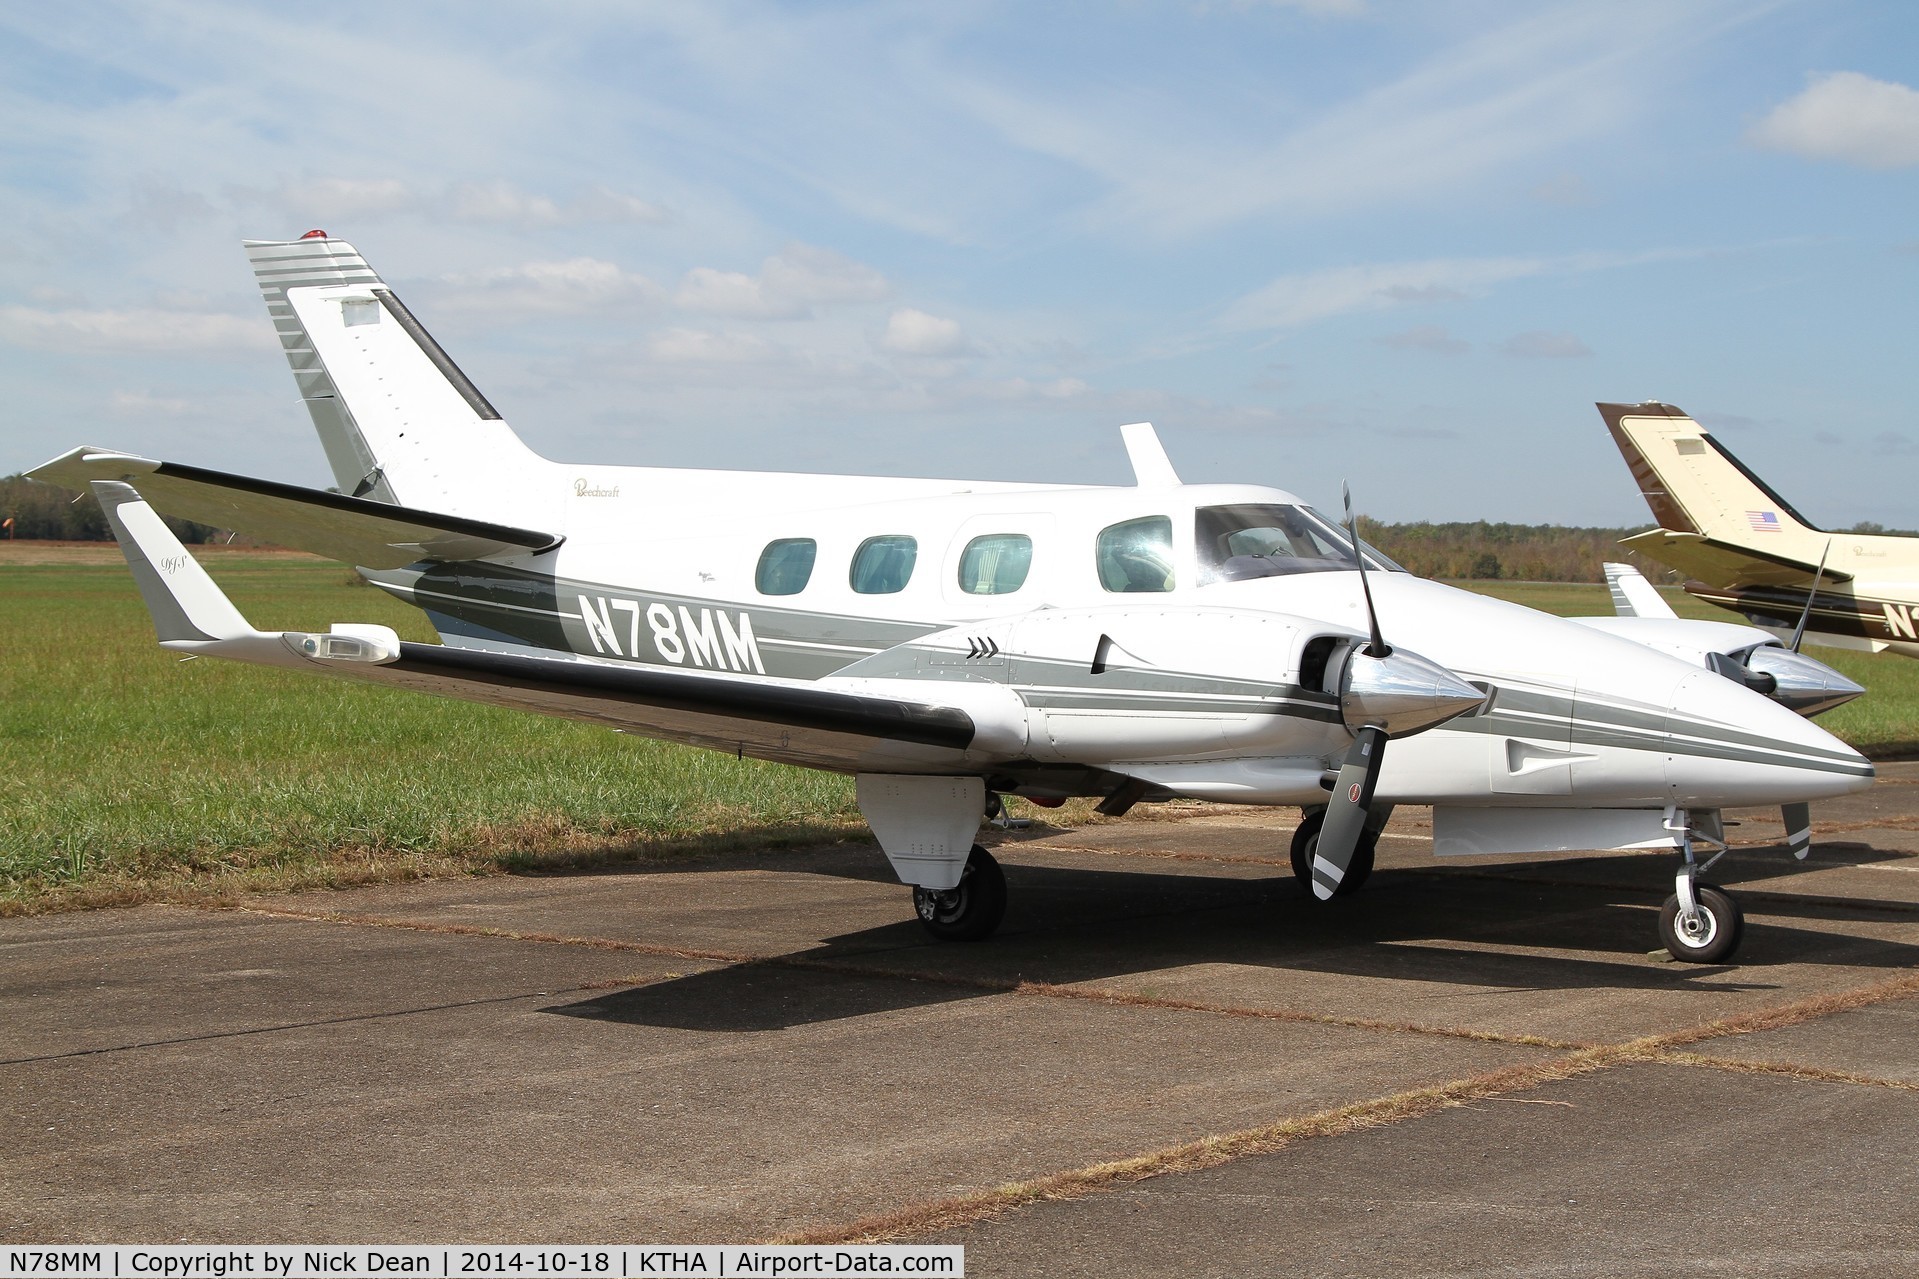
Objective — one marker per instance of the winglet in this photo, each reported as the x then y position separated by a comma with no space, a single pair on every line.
1633,595
185,603
1151,467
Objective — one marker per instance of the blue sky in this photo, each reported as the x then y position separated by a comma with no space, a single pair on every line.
1407,244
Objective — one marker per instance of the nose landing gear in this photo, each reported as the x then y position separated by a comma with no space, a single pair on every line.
1700,924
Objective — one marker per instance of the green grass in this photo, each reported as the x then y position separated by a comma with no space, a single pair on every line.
126,773
1884,723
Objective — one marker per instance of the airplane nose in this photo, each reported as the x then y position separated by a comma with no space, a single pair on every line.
1729,746
1802,684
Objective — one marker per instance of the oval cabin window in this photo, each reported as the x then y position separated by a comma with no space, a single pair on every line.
995,564
883,565
785,566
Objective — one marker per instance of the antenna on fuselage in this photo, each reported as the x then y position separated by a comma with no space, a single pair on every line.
1151,467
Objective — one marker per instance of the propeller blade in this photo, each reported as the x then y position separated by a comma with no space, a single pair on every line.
1379,648
1798,819
1799,631
1345,820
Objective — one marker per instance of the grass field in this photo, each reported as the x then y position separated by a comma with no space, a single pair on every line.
127,774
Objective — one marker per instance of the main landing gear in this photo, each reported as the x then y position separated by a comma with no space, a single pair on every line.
1306,843
973,910
1699,924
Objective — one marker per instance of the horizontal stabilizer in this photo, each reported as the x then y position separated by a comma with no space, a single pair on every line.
349,529
1721,564
1632,594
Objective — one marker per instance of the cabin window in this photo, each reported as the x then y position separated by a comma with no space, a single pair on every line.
1136,556
785,566
995,564
883,565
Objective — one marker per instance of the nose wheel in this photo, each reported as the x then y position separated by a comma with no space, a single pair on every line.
972,910
1707,931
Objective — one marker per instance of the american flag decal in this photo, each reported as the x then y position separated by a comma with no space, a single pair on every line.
1763,521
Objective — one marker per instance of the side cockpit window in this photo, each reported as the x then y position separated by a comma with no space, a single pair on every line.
883,565
995,564
1136,556
1260,540
786,566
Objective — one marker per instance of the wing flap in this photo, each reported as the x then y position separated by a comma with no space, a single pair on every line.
350,529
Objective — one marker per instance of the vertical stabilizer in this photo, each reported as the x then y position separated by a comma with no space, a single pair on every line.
1693,484
399,420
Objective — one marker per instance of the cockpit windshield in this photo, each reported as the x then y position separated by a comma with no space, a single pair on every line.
1260,540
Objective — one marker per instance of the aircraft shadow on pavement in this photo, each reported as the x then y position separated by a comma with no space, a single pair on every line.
1524,936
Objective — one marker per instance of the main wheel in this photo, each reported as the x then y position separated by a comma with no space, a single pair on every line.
971,911
1711,935
1306,843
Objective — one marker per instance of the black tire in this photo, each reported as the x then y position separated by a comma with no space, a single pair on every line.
1306,843
971,912
1713,937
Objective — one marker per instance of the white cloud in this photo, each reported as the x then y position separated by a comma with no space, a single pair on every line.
1427,337
1848,117
495,203
147,404
697,346
501,202
1540,345
564,286
790,284
912,332
1526,88
601,204
133,329
348,197
1293,300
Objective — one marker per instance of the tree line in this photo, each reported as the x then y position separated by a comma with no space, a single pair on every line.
1517,552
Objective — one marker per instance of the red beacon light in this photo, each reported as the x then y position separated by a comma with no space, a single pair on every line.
316,235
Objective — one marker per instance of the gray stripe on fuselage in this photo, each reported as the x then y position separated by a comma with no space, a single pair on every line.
1637,726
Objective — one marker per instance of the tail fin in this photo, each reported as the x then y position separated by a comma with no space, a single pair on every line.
1690,480
398,419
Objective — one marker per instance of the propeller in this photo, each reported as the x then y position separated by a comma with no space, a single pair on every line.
1384,692
1379,648
1799,631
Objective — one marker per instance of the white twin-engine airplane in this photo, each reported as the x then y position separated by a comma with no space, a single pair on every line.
948,643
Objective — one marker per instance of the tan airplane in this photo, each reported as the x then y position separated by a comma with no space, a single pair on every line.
1746,549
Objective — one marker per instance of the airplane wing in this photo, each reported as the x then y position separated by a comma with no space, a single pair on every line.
1721,564
787,720
352,530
